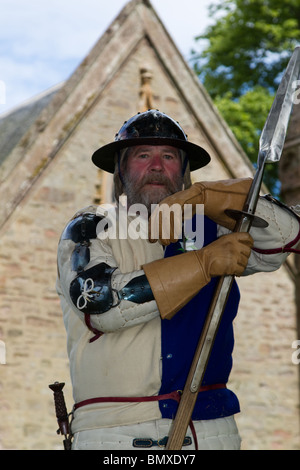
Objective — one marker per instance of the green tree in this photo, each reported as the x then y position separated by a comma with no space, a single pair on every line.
243,55
246,117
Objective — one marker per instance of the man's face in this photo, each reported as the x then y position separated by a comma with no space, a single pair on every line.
152,173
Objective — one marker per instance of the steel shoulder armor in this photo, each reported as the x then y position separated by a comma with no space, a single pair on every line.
81,230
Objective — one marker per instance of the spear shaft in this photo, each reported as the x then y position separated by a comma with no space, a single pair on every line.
270,149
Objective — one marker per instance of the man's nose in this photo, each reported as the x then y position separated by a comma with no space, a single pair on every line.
156,163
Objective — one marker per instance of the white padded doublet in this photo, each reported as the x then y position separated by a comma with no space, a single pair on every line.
214,434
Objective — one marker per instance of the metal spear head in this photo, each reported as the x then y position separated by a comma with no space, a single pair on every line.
273,134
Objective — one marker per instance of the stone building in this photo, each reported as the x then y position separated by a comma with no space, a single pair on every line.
289,175
46,175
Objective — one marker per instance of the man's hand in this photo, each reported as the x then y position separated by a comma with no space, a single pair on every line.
176,280
228,255
218,196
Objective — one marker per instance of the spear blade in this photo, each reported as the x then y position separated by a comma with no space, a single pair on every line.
273,134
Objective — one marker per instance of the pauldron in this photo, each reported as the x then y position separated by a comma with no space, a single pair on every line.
81,230
92,293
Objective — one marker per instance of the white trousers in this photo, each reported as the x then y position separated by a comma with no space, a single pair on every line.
214,434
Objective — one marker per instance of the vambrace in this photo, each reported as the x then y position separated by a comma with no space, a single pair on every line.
137,290
92,292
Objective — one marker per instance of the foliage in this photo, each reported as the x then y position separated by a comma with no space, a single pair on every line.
248,45
246,116
240,112
244,54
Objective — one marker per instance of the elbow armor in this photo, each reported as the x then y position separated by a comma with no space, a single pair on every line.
91,290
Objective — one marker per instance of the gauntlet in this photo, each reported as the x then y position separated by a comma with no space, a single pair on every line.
176,280
216,196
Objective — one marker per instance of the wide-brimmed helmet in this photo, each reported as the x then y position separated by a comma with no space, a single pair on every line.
151,128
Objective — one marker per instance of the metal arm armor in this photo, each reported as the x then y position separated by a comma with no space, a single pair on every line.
92,293
81,229
137,290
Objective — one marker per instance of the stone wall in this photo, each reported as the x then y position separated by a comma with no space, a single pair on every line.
30,317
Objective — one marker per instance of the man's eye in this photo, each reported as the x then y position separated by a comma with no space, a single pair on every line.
143,155
168,157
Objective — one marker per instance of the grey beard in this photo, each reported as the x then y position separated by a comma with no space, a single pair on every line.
136,195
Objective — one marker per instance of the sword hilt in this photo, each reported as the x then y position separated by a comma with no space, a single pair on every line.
60,407
255,220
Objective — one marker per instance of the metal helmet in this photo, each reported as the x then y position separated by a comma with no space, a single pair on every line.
154,128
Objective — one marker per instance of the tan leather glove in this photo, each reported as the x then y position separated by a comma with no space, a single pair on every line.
176,280
216,196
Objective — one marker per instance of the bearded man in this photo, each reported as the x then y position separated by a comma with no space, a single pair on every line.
134,307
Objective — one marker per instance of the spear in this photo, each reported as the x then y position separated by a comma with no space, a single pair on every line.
270,148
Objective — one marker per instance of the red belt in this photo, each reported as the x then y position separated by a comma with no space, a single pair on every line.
176,395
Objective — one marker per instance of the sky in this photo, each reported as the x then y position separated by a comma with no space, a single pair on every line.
42,42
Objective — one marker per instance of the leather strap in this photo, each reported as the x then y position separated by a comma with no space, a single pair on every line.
172,396
97,333
176,395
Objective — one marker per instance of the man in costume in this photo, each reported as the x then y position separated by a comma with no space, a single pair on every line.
134,307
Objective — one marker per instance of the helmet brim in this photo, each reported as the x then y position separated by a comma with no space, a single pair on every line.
104,157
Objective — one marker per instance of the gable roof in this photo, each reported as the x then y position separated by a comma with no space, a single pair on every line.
53,120
16,122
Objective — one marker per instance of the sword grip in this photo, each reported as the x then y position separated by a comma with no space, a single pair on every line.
60,407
